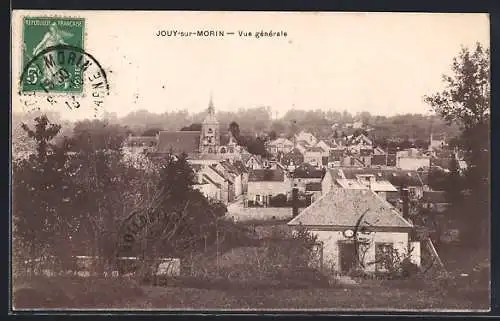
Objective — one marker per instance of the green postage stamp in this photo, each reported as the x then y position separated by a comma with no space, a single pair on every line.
48,70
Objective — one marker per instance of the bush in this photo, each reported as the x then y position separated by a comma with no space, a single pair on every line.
409,269
279,200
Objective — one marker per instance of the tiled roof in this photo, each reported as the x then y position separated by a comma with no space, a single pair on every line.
307,171
376,186
396,177
141,139
222,172
313,187
178,142
350,183
231,167
315,149
281,140
383,186
269,175
344,207
240,166
207,179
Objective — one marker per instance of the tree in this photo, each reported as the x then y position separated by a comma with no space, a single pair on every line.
42,194
466,102
234,128
151,132
92,135
43,133
185,218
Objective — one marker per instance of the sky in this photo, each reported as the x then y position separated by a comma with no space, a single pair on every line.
383,63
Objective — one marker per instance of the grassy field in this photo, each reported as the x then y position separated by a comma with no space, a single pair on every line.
58,293
466,288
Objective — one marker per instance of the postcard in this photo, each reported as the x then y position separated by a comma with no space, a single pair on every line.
250,161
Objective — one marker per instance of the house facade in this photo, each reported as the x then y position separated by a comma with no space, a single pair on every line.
306,137
314,156
211,174
264,184
252,162
348,244
141,144
279,145
413,163
306,174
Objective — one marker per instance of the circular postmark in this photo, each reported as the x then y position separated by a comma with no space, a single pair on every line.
63,75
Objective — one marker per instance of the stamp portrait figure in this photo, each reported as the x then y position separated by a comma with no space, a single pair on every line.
40,33
53,37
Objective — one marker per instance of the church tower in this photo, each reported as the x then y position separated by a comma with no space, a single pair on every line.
210,131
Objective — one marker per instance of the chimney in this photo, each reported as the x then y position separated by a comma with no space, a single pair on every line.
406,202
295,201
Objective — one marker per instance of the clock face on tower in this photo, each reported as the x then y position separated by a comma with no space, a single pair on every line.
348,233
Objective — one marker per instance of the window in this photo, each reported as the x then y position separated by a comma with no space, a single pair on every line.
210,131
383,256
231,149
210,150
223,150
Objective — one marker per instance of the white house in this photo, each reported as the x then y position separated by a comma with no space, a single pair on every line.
211,174
209,188
324,146
252,162
413,163
140,144
279,145
437,142
306,137
306,174
412,160
357,124
368,182
314,156
264,184
357,229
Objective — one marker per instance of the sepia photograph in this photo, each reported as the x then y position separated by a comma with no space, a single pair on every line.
250,161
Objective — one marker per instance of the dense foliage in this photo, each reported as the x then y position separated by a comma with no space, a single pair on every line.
466,102
72,198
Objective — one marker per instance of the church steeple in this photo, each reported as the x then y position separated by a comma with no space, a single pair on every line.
210,131
211,108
